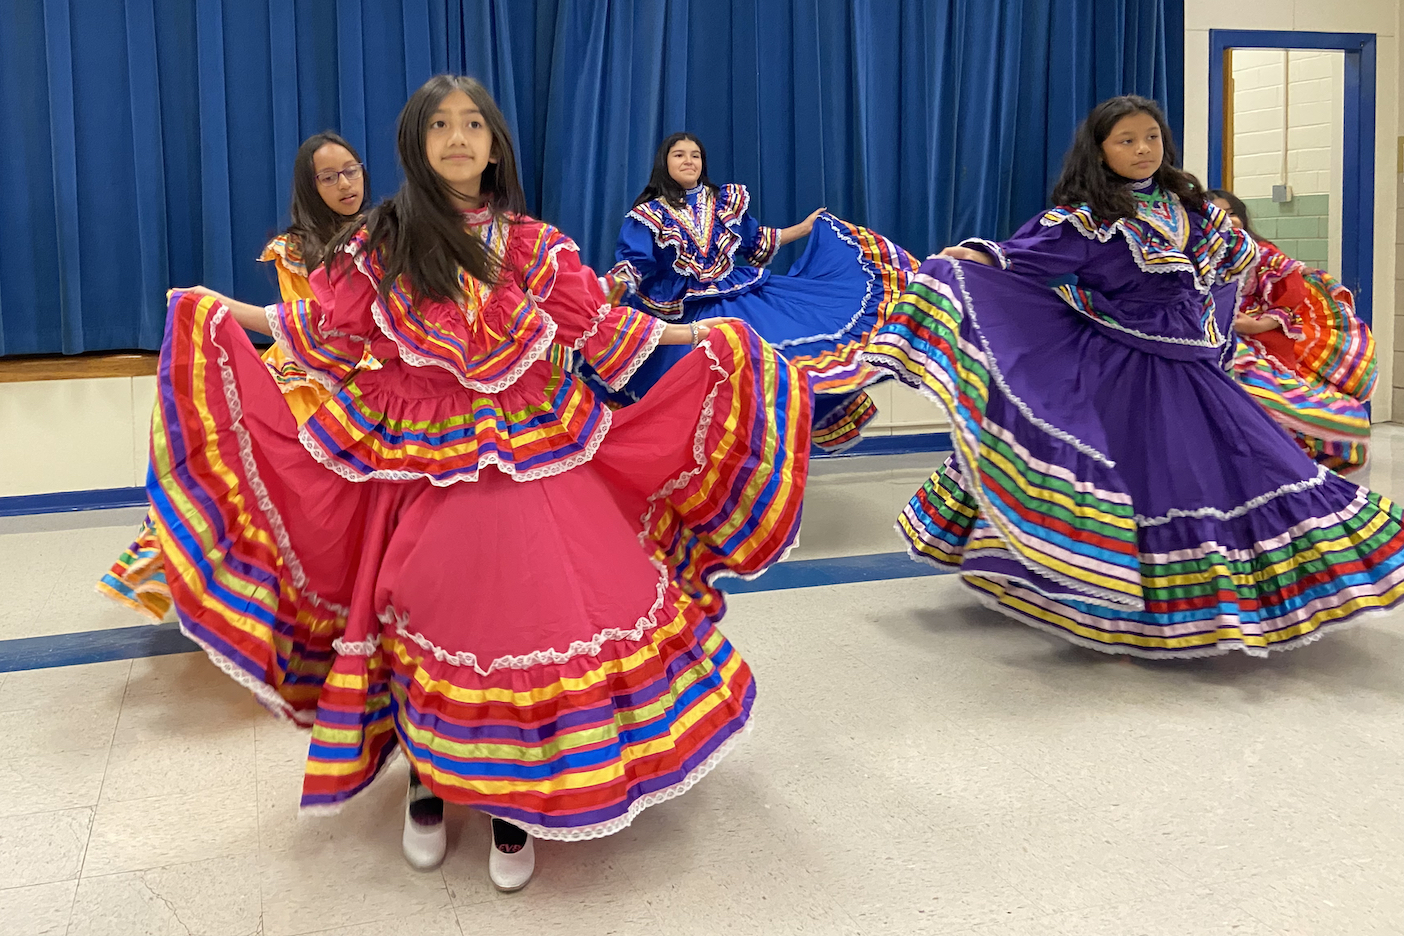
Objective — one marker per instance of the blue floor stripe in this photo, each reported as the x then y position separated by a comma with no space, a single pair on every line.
842,570
917,443
99,646
64,501
148,640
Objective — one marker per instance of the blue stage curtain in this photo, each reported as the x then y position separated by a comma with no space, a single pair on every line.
149,142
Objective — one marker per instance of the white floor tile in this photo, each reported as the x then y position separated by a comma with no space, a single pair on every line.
50,780
97,684
370,880
217,767
218,896
177,828
39,909
42,848
918,765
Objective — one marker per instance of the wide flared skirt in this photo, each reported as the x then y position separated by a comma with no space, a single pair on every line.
138,578
1127,501
820,316
545,650
1336,348
1333,428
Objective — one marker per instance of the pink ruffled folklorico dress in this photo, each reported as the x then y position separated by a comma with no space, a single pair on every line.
138,578
464,553
1315,372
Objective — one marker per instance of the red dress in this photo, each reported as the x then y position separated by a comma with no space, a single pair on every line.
464,553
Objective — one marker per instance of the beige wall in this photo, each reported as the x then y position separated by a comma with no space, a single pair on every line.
78,435
1313,120
74,435
1380,17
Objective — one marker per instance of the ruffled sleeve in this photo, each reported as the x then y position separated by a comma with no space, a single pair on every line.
1239,251
758,242
635,261
326,335
1052,253
614,341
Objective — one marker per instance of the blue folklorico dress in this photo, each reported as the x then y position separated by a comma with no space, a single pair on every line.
1112,482
708,259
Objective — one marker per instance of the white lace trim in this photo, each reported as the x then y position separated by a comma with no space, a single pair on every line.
997,522
1260,349
267,696
869,267
535,352
699,447
626,273
1219,649
977,492
727,244
592,445
1321,474
699,457
993,365
356,648
565,244
260,490
644,353
596,321
1104,235
465,658
324,810
1146,336
618,824
990,247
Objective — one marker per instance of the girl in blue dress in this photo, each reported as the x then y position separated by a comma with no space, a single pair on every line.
690,250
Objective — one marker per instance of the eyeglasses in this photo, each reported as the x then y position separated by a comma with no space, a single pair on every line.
328,177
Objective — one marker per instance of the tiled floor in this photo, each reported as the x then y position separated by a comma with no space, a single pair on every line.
918,765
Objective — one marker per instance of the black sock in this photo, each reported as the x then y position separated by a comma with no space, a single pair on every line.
425,810
507,837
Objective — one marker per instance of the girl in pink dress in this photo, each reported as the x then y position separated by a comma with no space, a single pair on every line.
463,555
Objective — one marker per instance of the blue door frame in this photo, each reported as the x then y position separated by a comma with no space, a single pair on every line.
1358,150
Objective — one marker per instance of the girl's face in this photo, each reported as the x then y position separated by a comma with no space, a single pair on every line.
1134,149
685,163
340,179
1235,219
458,143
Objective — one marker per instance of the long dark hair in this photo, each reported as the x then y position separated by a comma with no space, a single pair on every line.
315,224
418,230
1086,177
664,186
1236,207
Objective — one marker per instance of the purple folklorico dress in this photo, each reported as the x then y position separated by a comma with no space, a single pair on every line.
1111,482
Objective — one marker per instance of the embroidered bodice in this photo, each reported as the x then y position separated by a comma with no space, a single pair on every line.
668,255
486,379
1100,269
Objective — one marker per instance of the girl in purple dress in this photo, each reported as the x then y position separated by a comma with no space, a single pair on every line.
1111,482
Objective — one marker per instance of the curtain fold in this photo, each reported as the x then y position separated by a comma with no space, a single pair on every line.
150,142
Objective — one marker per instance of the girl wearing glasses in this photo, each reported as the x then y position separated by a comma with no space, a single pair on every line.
328,193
